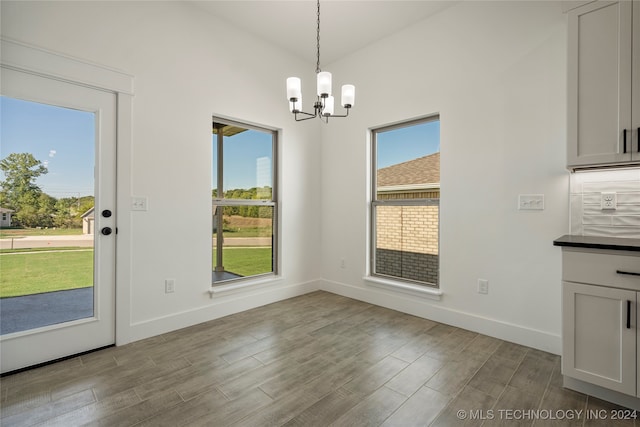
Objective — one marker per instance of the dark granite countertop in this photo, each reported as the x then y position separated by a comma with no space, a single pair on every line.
612,243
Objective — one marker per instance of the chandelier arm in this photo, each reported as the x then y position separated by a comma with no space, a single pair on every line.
341,115
311,116
307,114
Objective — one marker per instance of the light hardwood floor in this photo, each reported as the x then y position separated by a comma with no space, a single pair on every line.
315,360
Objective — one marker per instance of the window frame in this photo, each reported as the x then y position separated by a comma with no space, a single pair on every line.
222,201
375,203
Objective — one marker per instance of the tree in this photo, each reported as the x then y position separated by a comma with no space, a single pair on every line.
19,190
20,171
63,217
68,211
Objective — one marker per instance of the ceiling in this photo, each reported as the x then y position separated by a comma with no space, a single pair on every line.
345,25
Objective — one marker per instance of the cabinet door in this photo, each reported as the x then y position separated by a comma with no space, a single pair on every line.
599,83
597,346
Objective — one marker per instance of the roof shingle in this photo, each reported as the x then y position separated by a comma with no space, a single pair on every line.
423,170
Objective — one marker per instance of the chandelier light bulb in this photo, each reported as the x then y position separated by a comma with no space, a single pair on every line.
294,88
348,95
328,106
324,84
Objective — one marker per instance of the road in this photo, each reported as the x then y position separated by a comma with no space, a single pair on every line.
84,241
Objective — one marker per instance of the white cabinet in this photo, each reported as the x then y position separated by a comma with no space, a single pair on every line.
603,104
600,297
599,348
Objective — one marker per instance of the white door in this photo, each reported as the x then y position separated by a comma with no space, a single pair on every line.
57,281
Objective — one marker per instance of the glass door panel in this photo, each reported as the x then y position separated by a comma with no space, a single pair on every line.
46,241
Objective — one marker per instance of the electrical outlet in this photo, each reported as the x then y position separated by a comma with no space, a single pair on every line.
608,201
483,286
169,286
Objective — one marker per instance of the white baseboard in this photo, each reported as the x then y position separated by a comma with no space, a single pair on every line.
219,307
511,332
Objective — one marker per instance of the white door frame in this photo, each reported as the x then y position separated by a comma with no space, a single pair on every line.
31,59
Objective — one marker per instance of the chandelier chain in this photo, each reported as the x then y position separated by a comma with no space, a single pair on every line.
318,41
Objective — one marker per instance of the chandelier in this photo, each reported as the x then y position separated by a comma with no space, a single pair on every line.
324,105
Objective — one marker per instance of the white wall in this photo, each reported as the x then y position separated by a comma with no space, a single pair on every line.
495,72
187,66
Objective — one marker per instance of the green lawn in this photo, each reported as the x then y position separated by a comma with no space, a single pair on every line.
246,261
27,274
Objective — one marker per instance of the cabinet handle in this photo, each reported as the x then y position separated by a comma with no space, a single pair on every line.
628,273
638,140
624,141
628,314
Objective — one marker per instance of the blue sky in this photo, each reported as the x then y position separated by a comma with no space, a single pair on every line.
408,143
61,138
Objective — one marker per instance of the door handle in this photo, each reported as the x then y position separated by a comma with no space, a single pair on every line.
106,231
628,273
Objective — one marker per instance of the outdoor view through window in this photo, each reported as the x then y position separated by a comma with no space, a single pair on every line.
405,203
244,201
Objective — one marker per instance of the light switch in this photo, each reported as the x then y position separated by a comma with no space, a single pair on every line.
139,203
531,202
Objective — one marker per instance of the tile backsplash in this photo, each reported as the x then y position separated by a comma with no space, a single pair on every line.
587,217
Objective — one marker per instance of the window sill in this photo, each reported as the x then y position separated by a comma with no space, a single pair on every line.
406,288
239,286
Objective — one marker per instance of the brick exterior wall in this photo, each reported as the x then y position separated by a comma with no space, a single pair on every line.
407,236
407,242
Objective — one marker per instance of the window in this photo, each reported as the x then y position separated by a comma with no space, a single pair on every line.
405,201
244,201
